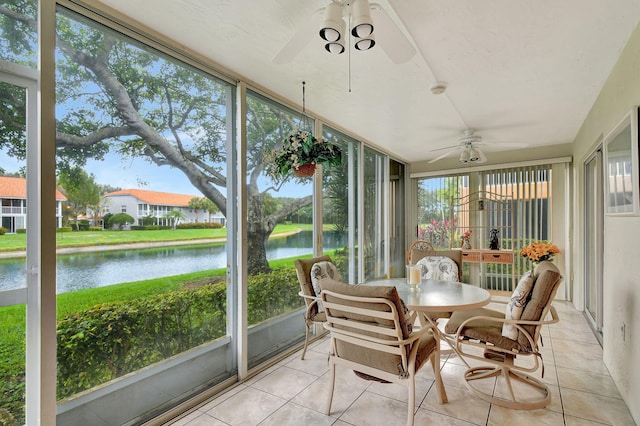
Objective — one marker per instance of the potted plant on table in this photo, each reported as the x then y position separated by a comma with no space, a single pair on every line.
539,251
300,153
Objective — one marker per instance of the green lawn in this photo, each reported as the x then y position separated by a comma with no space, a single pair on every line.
14,242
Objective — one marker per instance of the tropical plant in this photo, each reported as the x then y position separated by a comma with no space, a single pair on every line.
174,217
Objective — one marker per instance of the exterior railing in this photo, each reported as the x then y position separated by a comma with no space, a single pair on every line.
14,210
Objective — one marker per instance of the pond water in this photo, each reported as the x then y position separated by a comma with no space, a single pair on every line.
99,269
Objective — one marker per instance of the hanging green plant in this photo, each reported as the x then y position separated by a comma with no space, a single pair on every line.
300,153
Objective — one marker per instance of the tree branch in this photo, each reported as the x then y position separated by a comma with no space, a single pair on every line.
64,140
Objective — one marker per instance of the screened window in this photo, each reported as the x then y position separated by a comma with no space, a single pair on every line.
528,190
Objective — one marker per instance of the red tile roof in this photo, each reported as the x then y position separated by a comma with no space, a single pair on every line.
14,187
156,198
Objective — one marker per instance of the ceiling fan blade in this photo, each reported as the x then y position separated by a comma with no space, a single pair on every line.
451,147
446,154
389,36
303,35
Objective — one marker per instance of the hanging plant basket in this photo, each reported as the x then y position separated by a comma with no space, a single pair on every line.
305,170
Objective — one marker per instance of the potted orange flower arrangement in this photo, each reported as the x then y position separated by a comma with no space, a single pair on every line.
539,251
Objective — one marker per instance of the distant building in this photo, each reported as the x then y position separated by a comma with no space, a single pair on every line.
13,198
139,203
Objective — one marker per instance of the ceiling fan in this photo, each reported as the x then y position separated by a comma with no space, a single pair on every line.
335,16
468,148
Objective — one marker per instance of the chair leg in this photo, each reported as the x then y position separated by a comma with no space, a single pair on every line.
332,382
306,340
412,400
435,365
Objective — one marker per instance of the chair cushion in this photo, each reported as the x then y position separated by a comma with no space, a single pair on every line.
439,268
381,361
547,279
303,271
319,270
516,305
483,330
386,292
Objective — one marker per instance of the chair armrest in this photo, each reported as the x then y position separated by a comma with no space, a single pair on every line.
310,302
516,322
306,296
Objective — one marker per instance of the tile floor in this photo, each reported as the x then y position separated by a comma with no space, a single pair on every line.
294,392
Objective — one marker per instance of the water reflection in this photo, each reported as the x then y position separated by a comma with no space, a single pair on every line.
99,269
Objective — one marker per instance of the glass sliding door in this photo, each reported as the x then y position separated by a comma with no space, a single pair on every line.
17,131
593,244
397,219
340,206
141,146
375,209
279,229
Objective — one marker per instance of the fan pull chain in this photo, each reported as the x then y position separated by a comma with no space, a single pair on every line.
349,47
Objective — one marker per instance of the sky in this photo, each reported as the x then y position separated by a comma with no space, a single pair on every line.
140,174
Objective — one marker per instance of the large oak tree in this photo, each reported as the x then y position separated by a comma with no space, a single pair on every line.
114,96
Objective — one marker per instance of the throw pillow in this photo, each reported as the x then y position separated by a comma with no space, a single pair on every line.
516,305
439,268
321,270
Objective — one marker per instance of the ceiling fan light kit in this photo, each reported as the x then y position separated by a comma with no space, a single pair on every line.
464,156
334,26
474,155
362,23
365,43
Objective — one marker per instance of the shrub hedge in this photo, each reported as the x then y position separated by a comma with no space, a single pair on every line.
3,230
148,227
200,225
110,340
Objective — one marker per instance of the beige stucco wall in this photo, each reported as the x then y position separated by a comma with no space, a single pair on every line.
621,233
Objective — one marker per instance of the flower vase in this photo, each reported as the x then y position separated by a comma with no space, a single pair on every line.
466,245
305,170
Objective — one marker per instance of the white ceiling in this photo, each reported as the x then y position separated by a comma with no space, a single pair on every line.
517,70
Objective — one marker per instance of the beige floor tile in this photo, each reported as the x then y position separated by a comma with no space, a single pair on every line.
292,414
315,363
285,382
248,407
373,409
347,389
581,361
462,405
427,417
575,421
321,345
222,397
200,419
601,384
593,407
401,393
574,335
500,416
